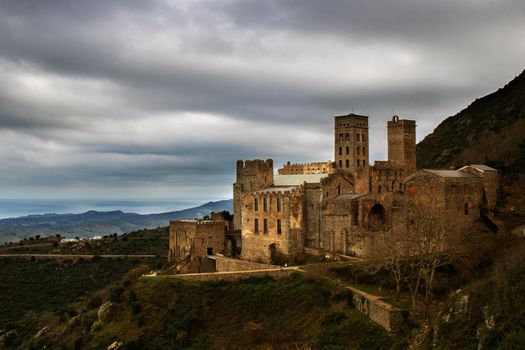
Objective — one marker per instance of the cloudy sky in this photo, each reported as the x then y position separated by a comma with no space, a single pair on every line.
131,99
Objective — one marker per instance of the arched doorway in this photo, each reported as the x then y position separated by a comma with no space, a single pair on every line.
376,217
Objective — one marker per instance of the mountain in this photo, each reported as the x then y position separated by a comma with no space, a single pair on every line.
490,130
92,223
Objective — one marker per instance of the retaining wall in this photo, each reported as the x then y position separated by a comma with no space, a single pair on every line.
235,275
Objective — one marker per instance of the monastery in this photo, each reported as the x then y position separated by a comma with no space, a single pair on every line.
338,207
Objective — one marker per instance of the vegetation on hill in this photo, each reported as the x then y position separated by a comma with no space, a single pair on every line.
490,130
141,242
49,285
162,313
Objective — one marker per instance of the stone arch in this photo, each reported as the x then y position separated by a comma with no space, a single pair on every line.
376,217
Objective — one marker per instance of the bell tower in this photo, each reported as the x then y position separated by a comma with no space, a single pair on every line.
351,142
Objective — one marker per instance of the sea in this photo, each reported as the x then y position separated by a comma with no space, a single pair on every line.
11,208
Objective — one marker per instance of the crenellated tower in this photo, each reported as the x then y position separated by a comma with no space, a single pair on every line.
252,175
402,143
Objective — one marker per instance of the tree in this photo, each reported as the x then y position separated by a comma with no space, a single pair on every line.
413,254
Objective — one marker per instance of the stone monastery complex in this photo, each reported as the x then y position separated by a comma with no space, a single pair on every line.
338,207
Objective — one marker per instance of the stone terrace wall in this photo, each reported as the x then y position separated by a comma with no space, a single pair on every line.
235,275
384,314
223,264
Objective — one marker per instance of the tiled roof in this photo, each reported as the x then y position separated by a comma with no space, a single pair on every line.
450,173
481,167
297,179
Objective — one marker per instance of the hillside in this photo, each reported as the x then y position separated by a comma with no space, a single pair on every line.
96,223
490,130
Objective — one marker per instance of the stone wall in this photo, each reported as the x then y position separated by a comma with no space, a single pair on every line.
402,143
235,275
270,244
224,264
384,314
191,239
312,215
251,175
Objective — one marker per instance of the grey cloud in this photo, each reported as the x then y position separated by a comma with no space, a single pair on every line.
84,85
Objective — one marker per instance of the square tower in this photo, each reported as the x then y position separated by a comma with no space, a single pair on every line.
351,142
402,143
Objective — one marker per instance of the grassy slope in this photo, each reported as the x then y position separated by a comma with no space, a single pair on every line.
291,313
49,285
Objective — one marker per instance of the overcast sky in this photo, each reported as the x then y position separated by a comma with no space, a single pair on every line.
130,99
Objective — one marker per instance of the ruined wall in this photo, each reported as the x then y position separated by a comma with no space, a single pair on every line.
327,167
264,246
251,175
191,239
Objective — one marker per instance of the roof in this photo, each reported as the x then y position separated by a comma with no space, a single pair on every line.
481,167
348,196
297,179
277,189
450,173
351,115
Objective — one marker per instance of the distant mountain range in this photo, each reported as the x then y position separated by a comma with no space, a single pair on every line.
94,223
490,130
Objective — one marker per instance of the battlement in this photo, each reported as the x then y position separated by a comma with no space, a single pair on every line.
255,164
401,122
327,167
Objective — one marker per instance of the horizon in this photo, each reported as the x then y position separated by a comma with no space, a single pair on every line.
159,99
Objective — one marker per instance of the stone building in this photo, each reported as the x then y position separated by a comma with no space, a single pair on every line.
341,206
190,241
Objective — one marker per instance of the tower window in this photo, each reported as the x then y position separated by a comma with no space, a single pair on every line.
347,137
265,204
255,204
347,150
364,150
358,137
347,163
279,204
341,137
279,228
265,223
466,209
340,163
340,150
358,163
339,190
256,226
358,150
